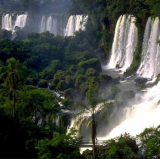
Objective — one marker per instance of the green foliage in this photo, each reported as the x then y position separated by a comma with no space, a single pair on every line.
71,65
35,104
94,63
150,141
107,42
68,92
120,148
57,59
51,69
91,72
16,49
12,137
61,146
13,74
61,86
42,84
80,79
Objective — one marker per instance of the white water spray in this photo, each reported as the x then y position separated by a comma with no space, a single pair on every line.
139,116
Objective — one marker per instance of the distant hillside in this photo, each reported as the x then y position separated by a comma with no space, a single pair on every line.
55,6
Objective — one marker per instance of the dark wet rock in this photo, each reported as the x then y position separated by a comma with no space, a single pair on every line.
110,93
127,73
117,66
132,144
117,71
5,34
123,79
141,80
32,81
116,80
113,91
123,98
43,84
130,78
87,153
106,78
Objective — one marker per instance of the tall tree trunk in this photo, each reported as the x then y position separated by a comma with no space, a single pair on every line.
14,103
93,136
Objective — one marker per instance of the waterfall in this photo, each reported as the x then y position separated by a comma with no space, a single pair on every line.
114,45
75,23
49,24
70,28
57,121
131,44
124,43
43,24
54,24
83,24
21,20
150,50
9,24
143,115
145,45
79,19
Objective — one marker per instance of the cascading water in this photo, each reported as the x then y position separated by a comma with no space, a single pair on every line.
83,25
145,45
124,43
145,114
53,24
139,116
75,23
49,24
70,28
43,25
150,50
21,21
9,24
131,44
112,63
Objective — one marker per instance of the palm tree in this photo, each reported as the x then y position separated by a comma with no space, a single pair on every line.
89,110
13,74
